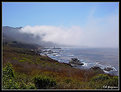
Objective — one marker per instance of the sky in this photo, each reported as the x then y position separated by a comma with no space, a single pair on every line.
91,24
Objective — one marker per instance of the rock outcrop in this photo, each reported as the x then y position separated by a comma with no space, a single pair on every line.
75,61
97,69
108,68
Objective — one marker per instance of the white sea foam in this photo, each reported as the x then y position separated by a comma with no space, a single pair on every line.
85,64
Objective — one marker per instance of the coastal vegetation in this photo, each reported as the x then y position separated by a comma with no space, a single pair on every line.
26,69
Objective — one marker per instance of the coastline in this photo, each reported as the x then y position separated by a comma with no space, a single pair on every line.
27,64
106,69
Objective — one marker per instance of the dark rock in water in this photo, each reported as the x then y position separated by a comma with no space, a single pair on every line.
108,68
75,61
47,51
50,51
97,69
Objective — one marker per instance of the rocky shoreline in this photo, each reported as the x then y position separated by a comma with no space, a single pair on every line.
74,62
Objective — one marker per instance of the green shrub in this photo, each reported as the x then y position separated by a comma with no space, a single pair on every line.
112,81
100,77
8,77
31,86
101,80
22,85
8,71
43,82
10,84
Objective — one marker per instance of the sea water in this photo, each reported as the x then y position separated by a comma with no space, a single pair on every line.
102,57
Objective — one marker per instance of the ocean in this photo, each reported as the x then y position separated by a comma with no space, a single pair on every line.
101,57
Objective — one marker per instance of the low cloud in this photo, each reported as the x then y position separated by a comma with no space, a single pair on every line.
97,32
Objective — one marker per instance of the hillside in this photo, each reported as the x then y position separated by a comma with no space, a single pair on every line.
28,70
